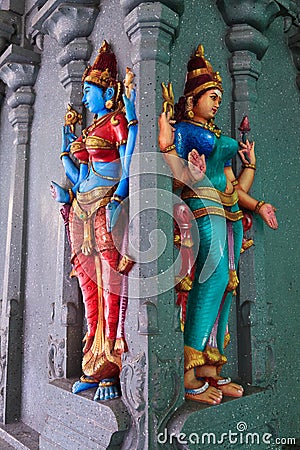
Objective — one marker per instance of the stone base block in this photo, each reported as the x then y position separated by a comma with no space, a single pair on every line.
77,422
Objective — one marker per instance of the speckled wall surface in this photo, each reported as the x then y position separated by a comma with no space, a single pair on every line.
153,367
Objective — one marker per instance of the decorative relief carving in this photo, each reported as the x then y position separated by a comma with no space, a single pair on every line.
132,380
56,357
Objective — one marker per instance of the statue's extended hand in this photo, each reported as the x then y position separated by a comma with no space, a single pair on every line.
197,165
113,209
267,213
66,138
246,152
58,193
166,130
130,106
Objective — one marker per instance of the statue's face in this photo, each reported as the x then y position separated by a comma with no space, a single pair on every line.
207,106
93,98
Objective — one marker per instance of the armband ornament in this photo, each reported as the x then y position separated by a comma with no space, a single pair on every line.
169,148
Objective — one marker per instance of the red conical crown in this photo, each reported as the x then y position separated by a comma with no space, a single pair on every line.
103,72
200,75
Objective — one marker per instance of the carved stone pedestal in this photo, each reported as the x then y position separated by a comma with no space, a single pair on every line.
75,422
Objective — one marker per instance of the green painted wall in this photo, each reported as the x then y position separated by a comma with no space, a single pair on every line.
275,123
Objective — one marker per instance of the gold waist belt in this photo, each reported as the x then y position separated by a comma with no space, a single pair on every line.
86,203
210,193
217,211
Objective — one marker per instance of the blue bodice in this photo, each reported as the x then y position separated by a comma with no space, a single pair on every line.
218,151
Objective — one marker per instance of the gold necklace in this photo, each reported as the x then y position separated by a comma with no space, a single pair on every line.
103,176
210,126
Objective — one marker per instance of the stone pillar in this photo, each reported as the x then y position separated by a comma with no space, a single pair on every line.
294,45
18,70
152,375
247,43
2,92
69,23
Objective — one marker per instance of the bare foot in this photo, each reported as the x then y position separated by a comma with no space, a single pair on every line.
210,395
209,373
230,389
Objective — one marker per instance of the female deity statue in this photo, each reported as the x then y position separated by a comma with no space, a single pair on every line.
97,164
200,159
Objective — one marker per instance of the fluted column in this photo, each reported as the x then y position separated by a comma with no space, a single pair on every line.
69,23
152,375
18,70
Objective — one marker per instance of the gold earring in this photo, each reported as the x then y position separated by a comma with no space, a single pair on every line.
109,104
189,107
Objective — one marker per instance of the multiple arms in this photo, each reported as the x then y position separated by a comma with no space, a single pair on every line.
244,183
185,173
195,169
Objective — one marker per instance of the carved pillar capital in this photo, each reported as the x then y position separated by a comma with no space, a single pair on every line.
7,28
259,14
151,28
294,45
176,5
10,28
242,37
69,23
66,20
19,67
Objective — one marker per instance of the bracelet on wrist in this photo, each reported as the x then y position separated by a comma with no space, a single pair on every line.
258,206
249,166
169,148
235,182
117,199
132,123
64,154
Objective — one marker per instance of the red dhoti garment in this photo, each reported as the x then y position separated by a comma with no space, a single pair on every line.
95,259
